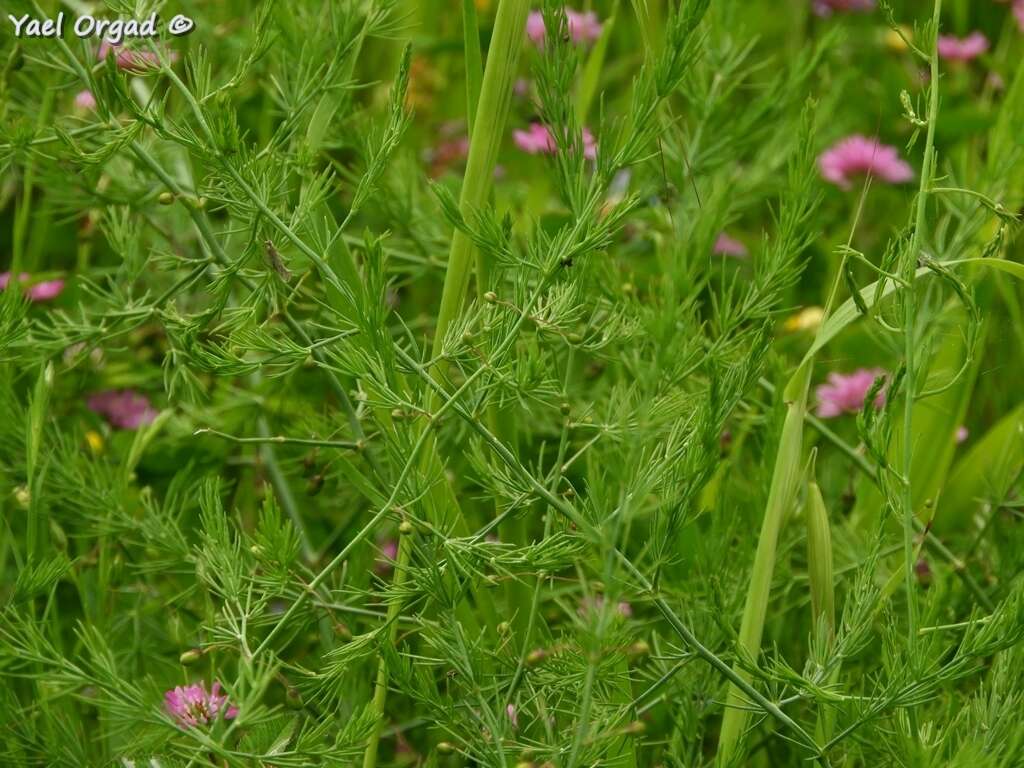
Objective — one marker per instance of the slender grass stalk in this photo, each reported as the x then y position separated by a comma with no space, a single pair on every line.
819,559
590,78
485,140
781,495
473,59
823,600
38,413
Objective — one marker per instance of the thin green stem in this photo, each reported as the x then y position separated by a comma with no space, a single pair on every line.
910,263
281,440
380,689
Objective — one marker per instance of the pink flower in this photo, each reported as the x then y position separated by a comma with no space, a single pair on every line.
447,153
85,100
962,433
624,609
538,139
133,61
828,7
962,49
192,705
44,291
510,710
124,409
845,393
856,155
726,245
388,551
1018,12
583,27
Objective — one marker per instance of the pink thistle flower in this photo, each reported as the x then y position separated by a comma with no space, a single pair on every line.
124,409
192,705
828,7
962,49
845,393
85,100
860,155
583,27
538,139
726,245
44,291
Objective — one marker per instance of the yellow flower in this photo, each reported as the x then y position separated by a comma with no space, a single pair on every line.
894,42
805,320
95,442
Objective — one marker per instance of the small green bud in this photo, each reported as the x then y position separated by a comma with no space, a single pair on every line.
636,728
445,747
535,657
315,485
166,198
190,657
398,414
490,297
406,528
293,699
23,496
638,650
565,408
504,628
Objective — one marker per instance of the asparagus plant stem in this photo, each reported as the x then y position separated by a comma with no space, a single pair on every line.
910,262
380,690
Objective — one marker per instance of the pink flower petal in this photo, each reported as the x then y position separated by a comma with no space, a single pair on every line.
538,139
726,245
583,27
43,291
123,409
85,100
